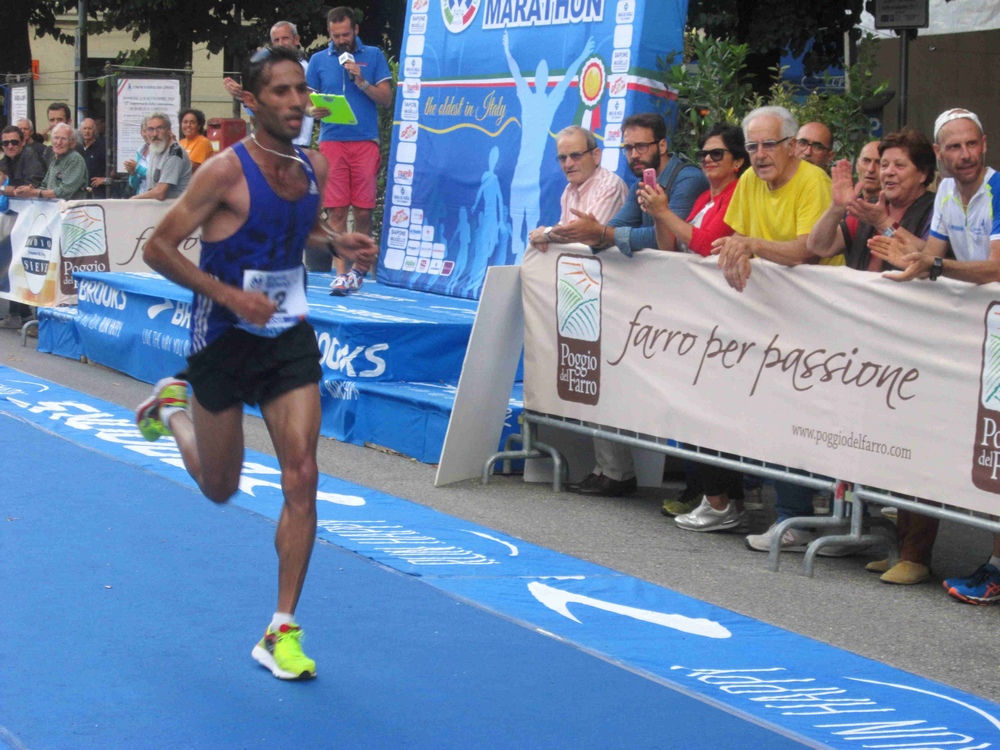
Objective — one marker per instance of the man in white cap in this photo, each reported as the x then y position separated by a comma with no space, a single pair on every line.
966,219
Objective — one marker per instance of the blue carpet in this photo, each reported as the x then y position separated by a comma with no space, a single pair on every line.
132,603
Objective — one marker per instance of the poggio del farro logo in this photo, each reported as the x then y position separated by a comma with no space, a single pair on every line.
578,318
84,245
986,449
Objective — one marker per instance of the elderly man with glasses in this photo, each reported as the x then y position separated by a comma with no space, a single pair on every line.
644,143
169,169
590,188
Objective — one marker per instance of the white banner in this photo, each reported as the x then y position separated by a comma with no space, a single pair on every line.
42,243
18,103
844,373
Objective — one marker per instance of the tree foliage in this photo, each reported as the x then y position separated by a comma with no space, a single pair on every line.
769,27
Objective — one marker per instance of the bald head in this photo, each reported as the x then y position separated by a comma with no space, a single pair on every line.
88,129
867,167
814,143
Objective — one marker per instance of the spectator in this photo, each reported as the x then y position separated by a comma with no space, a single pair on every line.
31,139
590,188
907,169
967,220
95,154
644,142
723,159
66,178
169,170
772,213
136,167
868,166
198,147
22,167
59,113
283,34
814,143
352,150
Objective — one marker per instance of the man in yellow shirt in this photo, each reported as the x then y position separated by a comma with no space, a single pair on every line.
776,203
772,212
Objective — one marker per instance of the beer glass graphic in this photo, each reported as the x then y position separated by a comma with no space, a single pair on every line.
578,320
36,254
986,449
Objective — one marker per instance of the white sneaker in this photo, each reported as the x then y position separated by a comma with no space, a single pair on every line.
793,540
706,518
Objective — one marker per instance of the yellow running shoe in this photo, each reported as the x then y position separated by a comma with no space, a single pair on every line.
281,651
167,392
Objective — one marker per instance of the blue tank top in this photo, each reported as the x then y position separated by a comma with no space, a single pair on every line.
271,239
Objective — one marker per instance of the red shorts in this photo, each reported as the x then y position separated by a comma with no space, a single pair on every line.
353,176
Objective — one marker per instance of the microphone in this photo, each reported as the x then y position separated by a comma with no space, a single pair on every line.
345,57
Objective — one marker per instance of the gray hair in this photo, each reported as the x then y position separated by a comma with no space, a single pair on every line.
789,125
73,135
575,130
30,123
161,116
289,24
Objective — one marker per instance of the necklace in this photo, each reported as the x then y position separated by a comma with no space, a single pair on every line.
293,157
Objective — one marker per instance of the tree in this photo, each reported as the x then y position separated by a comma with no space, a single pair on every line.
769,27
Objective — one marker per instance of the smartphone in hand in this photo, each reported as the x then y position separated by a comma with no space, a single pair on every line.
649,178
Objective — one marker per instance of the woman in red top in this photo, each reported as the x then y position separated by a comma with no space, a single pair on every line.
723,159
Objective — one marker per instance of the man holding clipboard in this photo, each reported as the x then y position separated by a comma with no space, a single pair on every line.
360,74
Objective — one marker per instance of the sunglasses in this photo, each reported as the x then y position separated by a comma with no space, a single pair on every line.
574,156
715,154
9,143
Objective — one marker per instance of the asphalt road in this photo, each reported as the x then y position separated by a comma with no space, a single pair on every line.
916,628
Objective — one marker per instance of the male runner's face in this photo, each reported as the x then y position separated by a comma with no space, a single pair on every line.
283,101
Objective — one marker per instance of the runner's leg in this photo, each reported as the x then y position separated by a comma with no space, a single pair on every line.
292,420
212,448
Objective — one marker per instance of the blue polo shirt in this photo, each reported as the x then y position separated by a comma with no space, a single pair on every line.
326,75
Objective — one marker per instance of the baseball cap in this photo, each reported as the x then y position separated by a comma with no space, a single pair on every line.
955,114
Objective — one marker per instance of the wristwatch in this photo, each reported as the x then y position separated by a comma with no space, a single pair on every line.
937,266
364,85
890,231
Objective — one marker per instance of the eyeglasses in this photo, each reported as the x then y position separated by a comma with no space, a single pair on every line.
574,156
639,148
157,128
765,145
5,144
813,145
715,154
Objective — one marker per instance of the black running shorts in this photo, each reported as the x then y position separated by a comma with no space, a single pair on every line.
239,367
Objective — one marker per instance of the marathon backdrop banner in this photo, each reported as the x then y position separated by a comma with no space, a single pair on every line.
847,374
484,85
43,244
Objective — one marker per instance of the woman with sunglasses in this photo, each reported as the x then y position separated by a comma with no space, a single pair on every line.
723,159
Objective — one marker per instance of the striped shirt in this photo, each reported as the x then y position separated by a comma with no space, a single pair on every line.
602,195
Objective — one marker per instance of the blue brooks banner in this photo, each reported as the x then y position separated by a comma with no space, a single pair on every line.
816,693
484,87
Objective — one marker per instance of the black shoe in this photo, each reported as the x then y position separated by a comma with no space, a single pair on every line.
608,487
584,487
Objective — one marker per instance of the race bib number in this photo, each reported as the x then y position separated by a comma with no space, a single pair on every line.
287,290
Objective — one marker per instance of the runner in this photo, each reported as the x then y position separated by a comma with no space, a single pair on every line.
257,205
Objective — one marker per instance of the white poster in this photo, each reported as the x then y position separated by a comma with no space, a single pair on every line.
18,103
844,373
138,98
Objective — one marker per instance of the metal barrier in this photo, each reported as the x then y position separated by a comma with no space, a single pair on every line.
848,510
